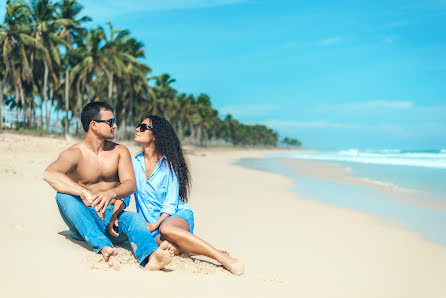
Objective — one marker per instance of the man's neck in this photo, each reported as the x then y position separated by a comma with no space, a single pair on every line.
94,143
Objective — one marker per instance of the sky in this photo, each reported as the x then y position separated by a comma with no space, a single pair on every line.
333,74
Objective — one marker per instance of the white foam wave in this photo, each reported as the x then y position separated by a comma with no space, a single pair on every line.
383,157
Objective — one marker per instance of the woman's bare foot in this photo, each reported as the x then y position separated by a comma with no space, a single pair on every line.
161,257
232,265
107,252
223,251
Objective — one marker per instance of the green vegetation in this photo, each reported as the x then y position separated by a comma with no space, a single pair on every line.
50,62
291,142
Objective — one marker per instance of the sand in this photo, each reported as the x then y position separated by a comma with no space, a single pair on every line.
291,246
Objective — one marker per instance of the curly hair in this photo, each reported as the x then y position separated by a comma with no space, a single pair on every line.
168,144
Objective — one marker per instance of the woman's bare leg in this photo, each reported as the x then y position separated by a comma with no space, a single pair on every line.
176,230
178,250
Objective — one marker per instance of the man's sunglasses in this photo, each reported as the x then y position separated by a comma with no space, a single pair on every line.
143,127
108,121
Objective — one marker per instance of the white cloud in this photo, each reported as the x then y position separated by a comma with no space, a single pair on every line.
328,41
383,128
381,104
278,124
112,8
369,105
396,24
248,110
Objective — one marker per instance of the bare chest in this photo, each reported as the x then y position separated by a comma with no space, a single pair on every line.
93,168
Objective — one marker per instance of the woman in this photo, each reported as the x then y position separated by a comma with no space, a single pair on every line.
163,182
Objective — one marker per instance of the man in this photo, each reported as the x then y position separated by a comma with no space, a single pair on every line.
91,179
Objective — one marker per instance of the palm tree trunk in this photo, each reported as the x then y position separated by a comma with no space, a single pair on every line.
78,105
22,99
180,129
56,125
67,76
110,87
1,97
115,91
130,119
49,111
43,95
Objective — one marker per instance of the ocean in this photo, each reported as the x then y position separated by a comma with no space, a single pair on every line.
415,179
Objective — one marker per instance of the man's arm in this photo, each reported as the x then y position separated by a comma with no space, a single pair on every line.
56,174
127,184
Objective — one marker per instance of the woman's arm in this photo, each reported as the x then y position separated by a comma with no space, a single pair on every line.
156,225
117,209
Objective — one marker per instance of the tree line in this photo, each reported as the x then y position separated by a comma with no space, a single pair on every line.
51,65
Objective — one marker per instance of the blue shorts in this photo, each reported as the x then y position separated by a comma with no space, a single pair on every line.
185,214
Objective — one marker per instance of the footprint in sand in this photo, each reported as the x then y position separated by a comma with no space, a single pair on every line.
124,257
8,172
17,227
184,262
270,279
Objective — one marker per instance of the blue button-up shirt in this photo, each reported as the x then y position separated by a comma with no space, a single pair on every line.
159,194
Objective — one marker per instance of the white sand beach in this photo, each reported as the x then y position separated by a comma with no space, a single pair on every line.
291,246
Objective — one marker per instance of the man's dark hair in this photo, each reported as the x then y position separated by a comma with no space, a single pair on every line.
91,112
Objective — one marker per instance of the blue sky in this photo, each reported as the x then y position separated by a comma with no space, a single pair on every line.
334,74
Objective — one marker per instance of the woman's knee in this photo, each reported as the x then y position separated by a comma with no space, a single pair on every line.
169,232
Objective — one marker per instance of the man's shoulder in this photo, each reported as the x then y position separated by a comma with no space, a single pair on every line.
71,154
74,150
116,147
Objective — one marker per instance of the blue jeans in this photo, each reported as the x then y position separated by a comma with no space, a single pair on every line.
84,224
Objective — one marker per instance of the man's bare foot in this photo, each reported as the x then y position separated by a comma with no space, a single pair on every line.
232,265
161,257
107,252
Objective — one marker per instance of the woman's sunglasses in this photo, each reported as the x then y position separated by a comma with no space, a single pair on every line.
143,127
108,121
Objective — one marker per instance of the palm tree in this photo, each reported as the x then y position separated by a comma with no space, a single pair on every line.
114,58
72,31
134,77
87,58
14,40
162,94
46,25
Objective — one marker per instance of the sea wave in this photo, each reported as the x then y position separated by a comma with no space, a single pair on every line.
419,158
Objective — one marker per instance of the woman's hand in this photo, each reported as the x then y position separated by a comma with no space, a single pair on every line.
113,223
117,209
151,227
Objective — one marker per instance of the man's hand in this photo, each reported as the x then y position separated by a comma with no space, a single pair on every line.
88,198
150,227
101,201
113,223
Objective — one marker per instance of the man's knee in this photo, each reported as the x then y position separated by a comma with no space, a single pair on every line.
132,220
67,201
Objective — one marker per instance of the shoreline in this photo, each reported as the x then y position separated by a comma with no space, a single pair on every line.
290,245
341,175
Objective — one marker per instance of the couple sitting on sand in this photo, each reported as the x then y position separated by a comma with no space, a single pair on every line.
95,178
